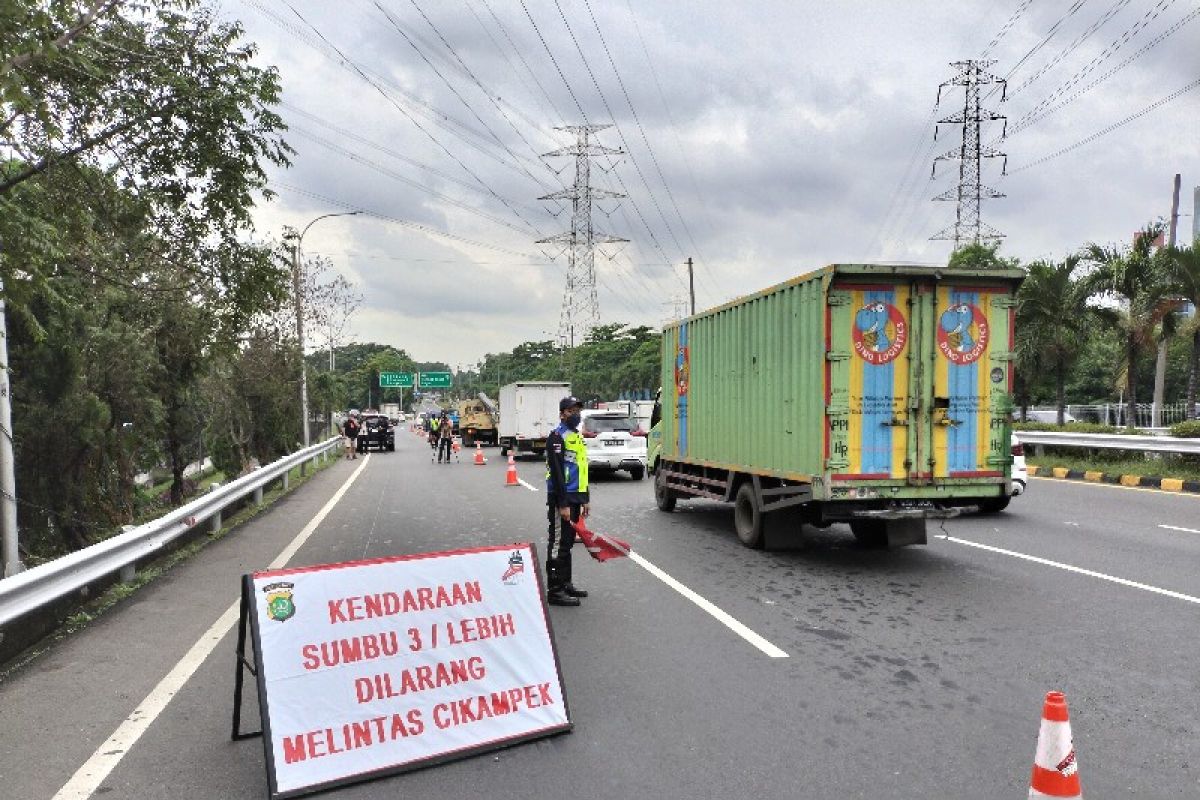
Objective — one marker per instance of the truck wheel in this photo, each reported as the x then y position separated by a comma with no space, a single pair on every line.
468,440
870,532
503,451
748,518
662,495
637,473
994,505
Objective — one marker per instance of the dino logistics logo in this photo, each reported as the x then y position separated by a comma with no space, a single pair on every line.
280,606
880,333
963,333
683,369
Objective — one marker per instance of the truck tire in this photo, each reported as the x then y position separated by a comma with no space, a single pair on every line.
748,518
994,505
468,440
663,498
870,532
637,473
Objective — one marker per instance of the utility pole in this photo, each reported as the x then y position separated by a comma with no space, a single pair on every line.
1160,363
8,482
691,285
580,307
968,227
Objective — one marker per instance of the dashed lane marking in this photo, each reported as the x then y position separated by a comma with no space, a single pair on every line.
1145,587
720,615
87,778
528,486
1177,528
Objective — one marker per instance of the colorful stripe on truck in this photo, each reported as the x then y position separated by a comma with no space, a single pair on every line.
878,382
970,331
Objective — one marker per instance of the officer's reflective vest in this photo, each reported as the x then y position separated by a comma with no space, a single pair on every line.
575,462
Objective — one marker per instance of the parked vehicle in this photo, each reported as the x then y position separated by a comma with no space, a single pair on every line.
1048,415
878,395
376,431
1020,473
612,443
477,421
528,412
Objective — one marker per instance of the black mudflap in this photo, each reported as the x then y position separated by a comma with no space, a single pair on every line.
903,532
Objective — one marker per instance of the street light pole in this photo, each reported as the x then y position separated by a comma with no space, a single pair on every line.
296,291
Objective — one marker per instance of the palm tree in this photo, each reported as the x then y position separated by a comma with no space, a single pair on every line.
1139,283
1051,304
1183,268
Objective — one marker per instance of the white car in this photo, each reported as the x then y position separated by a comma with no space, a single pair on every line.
1020,474
612,443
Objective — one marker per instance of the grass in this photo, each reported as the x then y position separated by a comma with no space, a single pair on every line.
1121,464
114,594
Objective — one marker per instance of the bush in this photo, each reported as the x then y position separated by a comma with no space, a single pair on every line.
1186,430
1071,427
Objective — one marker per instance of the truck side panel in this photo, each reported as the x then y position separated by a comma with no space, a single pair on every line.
743,385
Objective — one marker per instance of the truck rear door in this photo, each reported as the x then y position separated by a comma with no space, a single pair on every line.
918,381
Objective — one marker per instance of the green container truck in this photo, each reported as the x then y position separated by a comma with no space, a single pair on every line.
877,395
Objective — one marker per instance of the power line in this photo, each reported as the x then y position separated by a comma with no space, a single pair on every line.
1175,28
397,220
658,168
456,93
554,60
1006,27
1105,131
1070,48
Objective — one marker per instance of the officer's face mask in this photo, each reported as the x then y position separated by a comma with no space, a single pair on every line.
574,419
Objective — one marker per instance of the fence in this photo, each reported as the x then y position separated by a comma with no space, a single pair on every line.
42,585
1119,414
1111,441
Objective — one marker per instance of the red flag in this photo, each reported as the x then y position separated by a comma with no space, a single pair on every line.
600,546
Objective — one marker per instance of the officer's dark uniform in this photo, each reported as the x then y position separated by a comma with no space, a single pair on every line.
566,486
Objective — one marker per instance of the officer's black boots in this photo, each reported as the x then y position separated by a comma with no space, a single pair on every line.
571,590
559,591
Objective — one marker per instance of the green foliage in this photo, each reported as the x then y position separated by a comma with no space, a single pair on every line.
979,255
1186,430
1071,427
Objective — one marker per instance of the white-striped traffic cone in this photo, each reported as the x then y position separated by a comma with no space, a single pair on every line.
1055,770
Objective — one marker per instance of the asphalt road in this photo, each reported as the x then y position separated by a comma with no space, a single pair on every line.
915,673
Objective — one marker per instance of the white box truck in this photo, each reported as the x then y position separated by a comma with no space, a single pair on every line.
528,412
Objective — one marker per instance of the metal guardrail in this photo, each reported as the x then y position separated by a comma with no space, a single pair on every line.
1111,441
30,590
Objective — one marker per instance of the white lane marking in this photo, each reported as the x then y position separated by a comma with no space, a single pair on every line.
1100,485
528,486
1177,528
1145,587
720,615
87,778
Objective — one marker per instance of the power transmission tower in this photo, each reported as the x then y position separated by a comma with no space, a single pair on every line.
580,307
970,191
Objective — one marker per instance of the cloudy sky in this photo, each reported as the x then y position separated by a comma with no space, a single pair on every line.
762,138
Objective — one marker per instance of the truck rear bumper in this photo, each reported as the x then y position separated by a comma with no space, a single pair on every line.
907,513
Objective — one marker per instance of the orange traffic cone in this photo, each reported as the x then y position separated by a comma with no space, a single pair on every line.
1055,770
510,478
479,459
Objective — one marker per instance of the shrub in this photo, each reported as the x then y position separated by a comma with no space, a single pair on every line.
1072,427
1186,430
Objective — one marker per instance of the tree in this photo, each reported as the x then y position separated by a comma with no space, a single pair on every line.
1051,306
1183,269
979,255
1137,287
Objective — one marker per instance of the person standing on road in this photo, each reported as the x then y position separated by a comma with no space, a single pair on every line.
350,430
445,436
567,499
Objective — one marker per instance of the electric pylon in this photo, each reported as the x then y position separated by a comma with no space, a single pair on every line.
580,306
970,191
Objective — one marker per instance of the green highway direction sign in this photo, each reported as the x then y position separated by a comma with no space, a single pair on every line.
435,380
397,380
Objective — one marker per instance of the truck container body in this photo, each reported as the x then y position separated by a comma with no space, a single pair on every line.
528,412
878,395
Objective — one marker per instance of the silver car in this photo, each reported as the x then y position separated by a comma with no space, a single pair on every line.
611,443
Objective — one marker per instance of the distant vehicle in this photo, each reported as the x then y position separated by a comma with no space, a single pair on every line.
1020,473
612,443
376,431
528,412
477,421
1048,415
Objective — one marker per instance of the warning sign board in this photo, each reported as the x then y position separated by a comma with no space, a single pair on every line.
373,667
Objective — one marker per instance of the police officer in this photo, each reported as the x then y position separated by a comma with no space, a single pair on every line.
567,499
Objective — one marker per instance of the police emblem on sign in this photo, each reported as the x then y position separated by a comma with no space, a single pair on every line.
516,566
280,606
